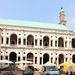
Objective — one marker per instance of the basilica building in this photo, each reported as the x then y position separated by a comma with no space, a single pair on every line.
37,42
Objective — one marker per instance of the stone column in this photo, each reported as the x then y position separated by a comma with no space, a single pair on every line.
3,53
21,54
38,58
0,42
22,38
38,40
57,43
34,59
26,41
57,60
42,42
42,59
4,41
34,41
64,43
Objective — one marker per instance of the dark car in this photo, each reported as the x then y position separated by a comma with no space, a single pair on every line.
28,72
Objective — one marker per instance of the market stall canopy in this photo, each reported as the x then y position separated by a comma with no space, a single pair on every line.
5,61
48,63
65,66
27,62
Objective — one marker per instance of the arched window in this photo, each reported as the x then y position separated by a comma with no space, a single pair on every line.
46,41
13,39
60,42
30,40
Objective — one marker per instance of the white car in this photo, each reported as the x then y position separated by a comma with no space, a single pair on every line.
49,70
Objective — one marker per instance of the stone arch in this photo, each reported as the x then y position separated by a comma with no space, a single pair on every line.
61,58
45,58
45,41
60,42
13,39
30,40
73,42
13,56
73,58
30,57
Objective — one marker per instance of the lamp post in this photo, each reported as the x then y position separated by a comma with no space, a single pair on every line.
0,42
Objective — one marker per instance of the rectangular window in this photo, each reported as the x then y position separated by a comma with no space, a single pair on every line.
51,60
1,57
40,60
40,42
24,41
2,41
18,58
51,43
6,57
19,41
23,58
55,43
7,41
36,42
35,60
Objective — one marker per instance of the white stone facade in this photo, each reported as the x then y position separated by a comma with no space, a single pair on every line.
49,49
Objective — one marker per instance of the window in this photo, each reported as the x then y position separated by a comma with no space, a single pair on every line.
65,43
18,58
36,42
24,41
19,41
55,43
51,43
2,41
35,60
23,58
40,42
40,60
7,41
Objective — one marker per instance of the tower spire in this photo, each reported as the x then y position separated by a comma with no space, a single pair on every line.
62,17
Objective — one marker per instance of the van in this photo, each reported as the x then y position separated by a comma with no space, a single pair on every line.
49,70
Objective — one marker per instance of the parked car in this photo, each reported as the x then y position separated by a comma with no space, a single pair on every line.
49,70
28,72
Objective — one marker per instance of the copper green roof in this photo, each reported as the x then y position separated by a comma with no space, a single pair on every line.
62,10
32,24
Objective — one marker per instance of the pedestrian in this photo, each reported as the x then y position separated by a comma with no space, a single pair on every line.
71,73
67,73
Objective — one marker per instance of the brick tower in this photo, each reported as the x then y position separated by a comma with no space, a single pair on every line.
62,17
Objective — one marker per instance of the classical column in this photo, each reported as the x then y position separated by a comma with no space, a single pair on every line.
64,43
34,41
57,60
38,58
4,38
57,43
34,59
54,57
21,54
42,42
0,43
3,53
26,41
42,60
22,38
38,40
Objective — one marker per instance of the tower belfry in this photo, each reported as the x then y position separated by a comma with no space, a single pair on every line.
62,17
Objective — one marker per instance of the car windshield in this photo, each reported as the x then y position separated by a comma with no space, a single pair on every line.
28,72
52,68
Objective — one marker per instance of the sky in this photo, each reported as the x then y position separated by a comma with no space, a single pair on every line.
46,11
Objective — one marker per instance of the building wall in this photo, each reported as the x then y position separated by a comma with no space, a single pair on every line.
38,51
